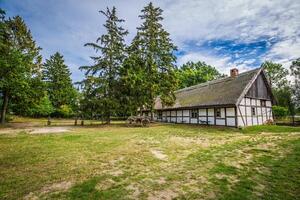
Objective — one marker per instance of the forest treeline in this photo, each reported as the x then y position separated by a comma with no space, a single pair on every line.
123,78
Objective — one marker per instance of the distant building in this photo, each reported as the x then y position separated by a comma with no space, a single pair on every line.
239,100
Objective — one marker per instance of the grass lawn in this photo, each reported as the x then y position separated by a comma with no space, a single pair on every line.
164,161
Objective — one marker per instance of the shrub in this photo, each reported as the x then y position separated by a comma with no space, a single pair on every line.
44,108
280,111
65,111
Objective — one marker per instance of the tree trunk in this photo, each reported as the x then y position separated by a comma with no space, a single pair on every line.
293,118
4,107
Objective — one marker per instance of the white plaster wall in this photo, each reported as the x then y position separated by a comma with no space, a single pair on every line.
260,120
211,112
222,112
249,121
179,113
230,112
254,120
241,110
202,112
242,101
253,102
248,101
211,120
186,120
258,102
248,111
173,119
240,122
164,113
179,119
186,113
230,121
202,119
173,113
194,121
220,122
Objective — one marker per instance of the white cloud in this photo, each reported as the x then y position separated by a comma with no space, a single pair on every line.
243,20
66,25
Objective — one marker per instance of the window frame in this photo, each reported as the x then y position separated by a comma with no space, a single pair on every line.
253,111
194,113
159,115
263,103
218,112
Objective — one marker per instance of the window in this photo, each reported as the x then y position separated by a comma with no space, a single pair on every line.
194,113
146,114
263,103
218,112
253,111
159,114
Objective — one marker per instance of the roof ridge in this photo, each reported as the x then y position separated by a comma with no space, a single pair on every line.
215,81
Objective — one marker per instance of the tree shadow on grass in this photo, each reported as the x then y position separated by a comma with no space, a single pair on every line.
281,182
88,190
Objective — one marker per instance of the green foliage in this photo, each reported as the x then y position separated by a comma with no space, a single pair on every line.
20,64
295,73
194,73
280,111
276,74
284,98
65,111
101,84
44,108
150,70
58,82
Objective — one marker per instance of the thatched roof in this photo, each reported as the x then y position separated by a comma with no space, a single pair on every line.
225,91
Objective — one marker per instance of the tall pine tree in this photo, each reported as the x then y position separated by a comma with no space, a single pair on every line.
102,78
151,58
20,63
58,82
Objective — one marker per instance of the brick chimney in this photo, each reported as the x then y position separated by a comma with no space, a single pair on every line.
234,72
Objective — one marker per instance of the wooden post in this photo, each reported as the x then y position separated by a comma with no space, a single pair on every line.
206,116
82,122
246,117
225,116
236,118
49,121
293,118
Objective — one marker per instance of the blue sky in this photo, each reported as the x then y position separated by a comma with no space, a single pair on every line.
224,34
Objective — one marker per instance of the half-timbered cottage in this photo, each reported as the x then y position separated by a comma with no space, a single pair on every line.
238,100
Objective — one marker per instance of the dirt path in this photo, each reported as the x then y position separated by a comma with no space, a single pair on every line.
35,130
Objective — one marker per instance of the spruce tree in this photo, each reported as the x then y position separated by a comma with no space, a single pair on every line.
152,56
58,82
19,64
102,78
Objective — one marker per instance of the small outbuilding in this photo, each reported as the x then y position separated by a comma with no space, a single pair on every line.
238,100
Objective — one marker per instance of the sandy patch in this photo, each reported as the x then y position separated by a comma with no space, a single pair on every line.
31,196
184,141
56,187
116,173
135,192
62,186
205,142
12,131
47,130
104,185
161,180
164,194
159,155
